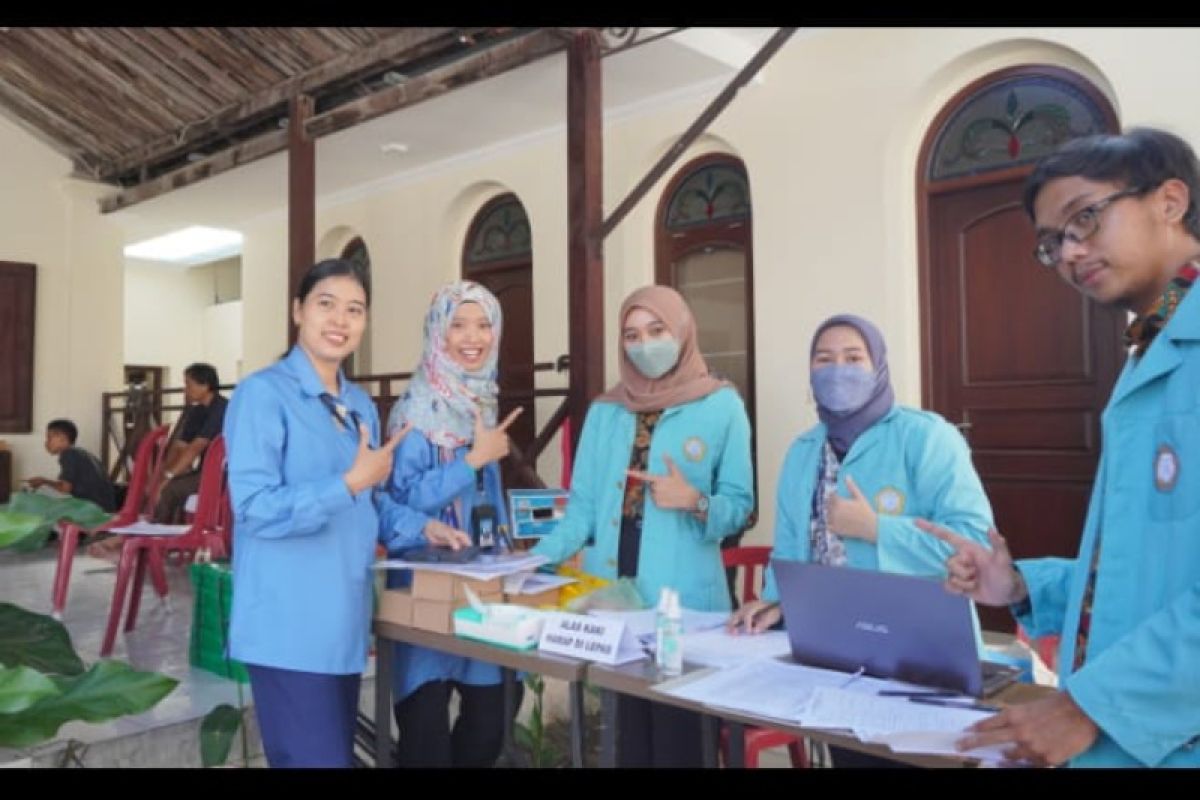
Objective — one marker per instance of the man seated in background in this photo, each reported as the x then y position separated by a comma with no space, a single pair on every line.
179,477
80,473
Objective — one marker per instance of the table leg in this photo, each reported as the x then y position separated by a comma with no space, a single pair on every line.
384,652
577,722
608,728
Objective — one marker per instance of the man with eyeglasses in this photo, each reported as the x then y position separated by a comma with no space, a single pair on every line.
1117,218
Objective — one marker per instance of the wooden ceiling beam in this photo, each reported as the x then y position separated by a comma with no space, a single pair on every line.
244,153
409,43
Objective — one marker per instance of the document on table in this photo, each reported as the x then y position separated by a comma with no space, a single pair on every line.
903,726
534,582
484,568
767,688
819,698
716,648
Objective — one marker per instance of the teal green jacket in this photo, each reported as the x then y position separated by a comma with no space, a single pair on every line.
709,440
1140,682
909,464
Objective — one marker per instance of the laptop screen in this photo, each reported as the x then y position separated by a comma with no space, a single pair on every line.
890,626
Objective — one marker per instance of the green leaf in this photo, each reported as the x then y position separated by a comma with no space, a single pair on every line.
109,689
22,532
82,512
21,687
216,734
37,641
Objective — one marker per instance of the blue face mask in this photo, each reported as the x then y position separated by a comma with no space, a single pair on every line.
655,357
842,388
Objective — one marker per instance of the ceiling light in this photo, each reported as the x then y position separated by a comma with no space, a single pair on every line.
394,78
194,245
394,148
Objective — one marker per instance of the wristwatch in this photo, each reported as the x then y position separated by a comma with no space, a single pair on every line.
702,505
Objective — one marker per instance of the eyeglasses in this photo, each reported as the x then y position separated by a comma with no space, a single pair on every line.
1083,224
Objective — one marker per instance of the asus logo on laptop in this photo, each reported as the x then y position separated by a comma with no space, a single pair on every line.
871,627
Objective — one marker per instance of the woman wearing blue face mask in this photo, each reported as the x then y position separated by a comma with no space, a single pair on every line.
853,485
662,474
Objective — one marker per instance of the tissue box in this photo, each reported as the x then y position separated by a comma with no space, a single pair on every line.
515,627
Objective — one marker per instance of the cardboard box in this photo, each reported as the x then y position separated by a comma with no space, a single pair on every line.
447,588
395,605
546,598
438,615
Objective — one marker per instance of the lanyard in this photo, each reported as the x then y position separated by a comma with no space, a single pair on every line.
340,413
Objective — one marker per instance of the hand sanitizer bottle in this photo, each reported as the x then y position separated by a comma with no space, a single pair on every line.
669,628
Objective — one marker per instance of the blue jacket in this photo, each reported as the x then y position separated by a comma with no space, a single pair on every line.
422,483
303,545
909,464
1141,681
709,440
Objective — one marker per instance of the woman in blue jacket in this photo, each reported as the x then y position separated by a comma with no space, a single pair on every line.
853,486
442,473
662,474
301,472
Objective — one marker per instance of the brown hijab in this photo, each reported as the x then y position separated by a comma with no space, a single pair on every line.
688,380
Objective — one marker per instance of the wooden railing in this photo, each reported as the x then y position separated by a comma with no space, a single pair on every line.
126,416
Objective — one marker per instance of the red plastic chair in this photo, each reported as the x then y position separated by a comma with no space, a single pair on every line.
209,531
753,560
145,462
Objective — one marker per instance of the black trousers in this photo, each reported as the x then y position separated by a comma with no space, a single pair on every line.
427,738
654,735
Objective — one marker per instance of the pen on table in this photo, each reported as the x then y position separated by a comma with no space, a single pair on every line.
917,693
853,677
947,703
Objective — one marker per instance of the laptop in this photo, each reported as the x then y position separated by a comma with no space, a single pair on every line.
891,626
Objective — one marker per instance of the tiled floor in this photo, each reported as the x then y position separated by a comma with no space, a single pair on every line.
159,643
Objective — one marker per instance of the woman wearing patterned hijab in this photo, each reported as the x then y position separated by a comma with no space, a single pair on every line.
451,463
853,485
661,475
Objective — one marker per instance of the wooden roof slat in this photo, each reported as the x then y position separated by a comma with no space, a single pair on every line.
416,41
162,70
49,94
188,69
136,95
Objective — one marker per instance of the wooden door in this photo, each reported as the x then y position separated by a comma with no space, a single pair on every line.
1022,362
513,287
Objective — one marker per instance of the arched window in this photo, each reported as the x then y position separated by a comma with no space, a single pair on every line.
703,251
1011,122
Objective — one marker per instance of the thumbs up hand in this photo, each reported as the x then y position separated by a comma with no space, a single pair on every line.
490,444
671,490
852,516
372,466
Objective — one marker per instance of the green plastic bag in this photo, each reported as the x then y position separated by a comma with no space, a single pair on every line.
212,583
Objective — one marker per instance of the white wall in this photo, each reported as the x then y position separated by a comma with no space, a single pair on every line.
53,222
830,139
164,325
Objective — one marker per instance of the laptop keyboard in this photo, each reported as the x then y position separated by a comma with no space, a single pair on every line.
997,676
